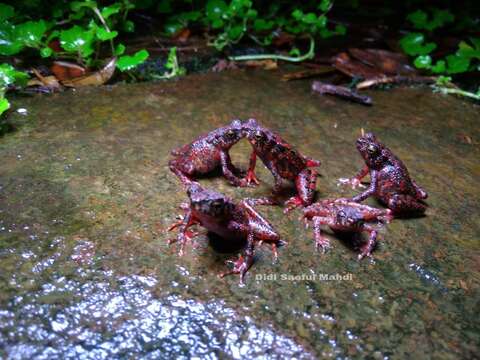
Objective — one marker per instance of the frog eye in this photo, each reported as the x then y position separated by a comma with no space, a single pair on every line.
341,214
372,149
216,204
230,133
258,135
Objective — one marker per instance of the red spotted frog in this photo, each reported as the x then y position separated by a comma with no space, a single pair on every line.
208,153
229,220
390,181
346,216
284,162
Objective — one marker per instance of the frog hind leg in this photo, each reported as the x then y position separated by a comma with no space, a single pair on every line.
420,193
306,183
184,174
403,204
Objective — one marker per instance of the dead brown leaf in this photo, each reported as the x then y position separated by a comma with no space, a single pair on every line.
97,78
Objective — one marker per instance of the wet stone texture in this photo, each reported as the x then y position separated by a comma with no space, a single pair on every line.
86,197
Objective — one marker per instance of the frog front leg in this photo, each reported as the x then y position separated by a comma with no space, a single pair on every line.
242,265
184,234
306,183
370,245
227,172
356,180
372,190
251,178
321,242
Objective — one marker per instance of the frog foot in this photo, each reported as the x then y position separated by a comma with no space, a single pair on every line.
353,182
240,266
251,178
322,244
292,203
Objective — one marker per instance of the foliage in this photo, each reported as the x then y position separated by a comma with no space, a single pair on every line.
126,62
415,44
172,65
444,85
229,22
80,27
9,76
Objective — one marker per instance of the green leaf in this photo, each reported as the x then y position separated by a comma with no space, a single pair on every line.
310,18
294,52
188,16
443,80
321,21
457,64
171,28
251,14
235,32
440,18
46,52
111,10
6,12
418,18
78,5
30,33
423,61
128,62
9,76
217,23
340,29
413,44
164,7
262,25
439,67
77,39
325,5
4,105
104,35
465,50
9,44
119,50
128,26
297,14
475,42
215,9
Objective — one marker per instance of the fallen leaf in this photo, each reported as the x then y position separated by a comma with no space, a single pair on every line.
223,64
386,62
182,35
266,64
97,78
49,82
64,70
306,73
345,64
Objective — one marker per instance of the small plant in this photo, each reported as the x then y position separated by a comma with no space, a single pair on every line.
80,29
8,77
415,44
172,65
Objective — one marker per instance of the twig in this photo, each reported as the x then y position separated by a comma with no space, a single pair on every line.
455,91
395,79
309,55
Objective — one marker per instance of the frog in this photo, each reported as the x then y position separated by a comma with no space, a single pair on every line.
390,183
232,221
346,216
284,162
210,152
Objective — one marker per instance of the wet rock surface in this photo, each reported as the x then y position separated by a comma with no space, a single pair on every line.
86,197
